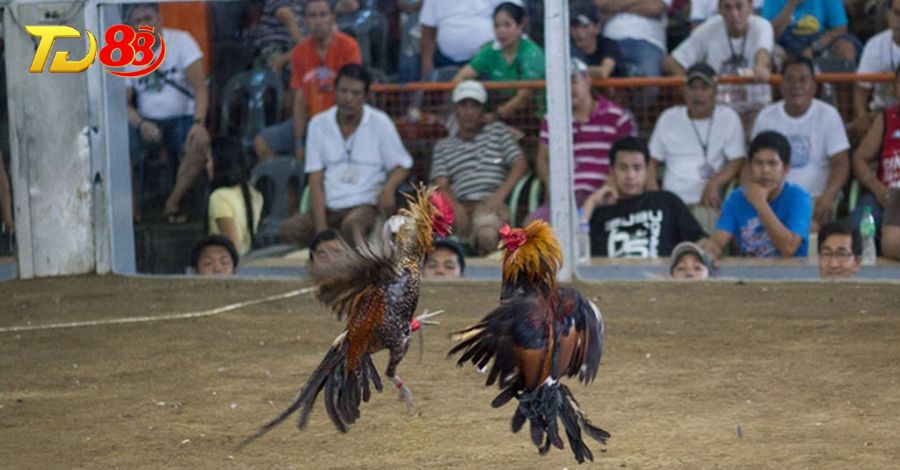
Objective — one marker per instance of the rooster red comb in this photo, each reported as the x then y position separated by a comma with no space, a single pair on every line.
513,238
442,218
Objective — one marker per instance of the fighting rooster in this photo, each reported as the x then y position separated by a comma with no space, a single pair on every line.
377,287
539,333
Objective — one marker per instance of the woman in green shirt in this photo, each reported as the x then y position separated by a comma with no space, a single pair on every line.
509,57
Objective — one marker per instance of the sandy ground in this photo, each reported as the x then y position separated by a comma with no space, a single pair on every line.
807,372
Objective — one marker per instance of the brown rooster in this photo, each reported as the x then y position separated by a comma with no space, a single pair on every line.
539,333
377,288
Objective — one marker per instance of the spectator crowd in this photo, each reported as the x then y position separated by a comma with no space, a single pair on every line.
743,168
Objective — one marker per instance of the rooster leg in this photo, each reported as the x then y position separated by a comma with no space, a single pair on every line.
405,393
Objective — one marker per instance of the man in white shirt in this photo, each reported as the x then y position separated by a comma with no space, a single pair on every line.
453,31
702,10
734,43
702,146
820,162
881,54
639,29
168,107
354,162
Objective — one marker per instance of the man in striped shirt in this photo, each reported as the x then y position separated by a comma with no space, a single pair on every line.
596,123
477,168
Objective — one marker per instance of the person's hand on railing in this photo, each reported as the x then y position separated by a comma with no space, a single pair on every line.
762,73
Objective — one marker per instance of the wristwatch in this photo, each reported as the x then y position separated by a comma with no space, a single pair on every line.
199,120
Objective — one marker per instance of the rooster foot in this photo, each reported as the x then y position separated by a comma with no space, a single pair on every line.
405,395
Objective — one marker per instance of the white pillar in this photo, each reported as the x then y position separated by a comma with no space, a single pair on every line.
64,159
559,126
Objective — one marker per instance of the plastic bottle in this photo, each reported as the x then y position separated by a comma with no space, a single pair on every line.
867,231
584,238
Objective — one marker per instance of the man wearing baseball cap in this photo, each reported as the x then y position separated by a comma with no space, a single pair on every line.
597,123
701,143
588,44
477,168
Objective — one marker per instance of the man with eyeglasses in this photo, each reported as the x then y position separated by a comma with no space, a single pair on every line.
840,251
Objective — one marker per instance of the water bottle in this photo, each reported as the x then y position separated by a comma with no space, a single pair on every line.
867,231
584,238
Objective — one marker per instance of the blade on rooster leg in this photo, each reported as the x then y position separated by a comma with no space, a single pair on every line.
376,286
538,334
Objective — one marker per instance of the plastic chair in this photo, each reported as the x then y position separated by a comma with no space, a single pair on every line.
272,178
514,197
534,194
304,201
370,28
252,116
854,196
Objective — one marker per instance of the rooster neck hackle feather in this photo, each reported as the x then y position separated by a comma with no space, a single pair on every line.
534,262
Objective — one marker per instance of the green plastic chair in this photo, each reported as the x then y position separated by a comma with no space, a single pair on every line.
854,196
534,194
304,200
514,198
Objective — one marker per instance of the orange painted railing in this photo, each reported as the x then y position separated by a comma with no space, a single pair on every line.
432,101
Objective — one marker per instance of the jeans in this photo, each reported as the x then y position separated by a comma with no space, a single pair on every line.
641,59
173,135
408,70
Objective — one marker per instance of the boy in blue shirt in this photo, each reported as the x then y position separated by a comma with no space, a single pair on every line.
811,27
768,217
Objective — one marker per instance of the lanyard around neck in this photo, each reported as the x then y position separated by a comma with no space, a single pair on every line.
734,55
703,145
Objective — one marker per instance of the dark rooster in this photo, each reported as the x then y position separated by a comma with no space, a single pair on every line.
538,334
377,288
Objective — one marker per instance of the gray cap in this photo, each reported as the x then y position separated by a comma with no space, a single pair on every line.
685,248
578,66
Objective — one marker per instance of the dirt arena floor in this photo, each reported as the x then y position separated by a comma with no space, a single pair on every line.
706,375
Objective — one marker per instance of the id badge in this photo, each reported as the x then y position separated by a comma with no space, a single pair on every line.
349,175
706,171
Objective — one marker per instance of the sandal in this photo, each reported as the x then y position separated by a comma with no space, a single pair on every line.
177,218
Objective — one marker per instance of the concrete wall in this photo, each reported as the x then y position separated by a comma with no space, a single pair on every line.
51,157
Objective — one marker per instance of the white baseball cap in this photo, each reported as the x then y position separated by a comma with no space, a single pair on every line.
470,89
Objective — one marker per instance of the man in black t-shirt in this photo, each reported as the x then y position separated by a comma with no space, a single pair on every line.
600,53
639,224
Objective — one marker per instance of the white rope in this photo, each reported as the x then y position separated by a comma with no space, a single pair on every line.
174,316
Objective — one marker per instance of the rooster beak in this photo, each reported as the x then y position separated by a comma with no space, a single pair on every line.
501,244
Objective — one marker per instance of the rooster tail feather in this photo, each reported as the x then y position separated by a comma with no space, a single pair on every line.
598,434
545,405
506,395
343,391
307,395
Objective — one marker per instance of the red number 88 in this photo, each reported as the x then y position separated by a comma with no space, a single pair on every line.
129,44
